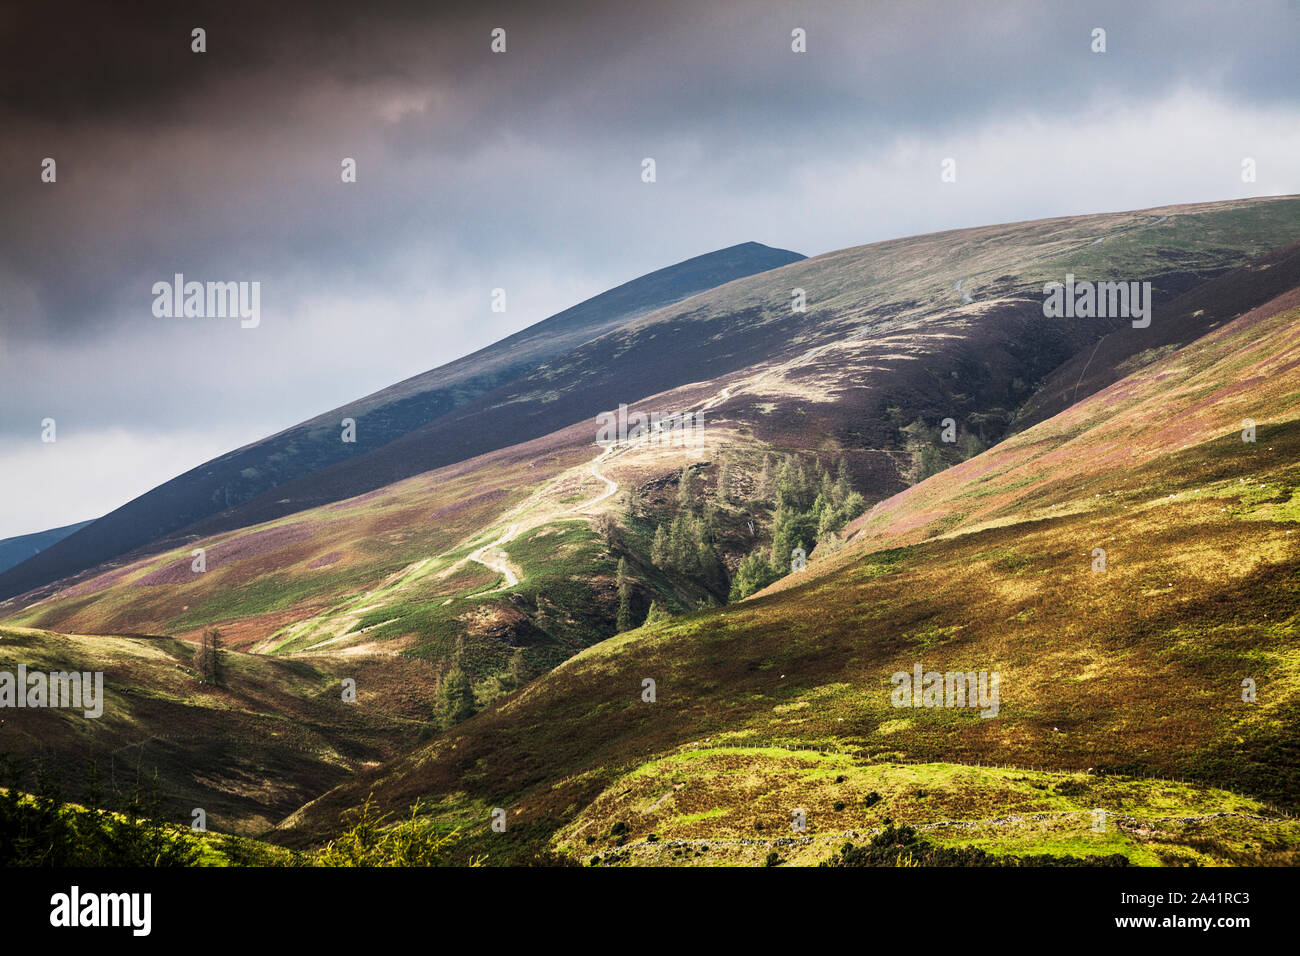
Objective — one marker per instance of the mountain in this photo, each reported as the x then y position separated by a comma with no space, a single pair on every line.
384,416
377,548
498,554
17,549
893,329
1159,690
885,352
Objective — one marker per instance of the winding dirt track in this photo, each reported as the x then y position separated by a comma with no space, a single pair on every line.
500,565
611,484
500,562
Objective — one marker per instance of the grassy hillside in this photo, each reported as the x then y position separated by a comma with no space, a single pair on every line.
271,735
462,584
886,351
419,567
278,574
733,806
1120,689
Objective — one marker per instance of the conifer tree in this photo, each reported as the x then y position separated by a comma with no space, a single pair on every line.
724,481
624,598
686,490
656,613
660,555
518,668
456,690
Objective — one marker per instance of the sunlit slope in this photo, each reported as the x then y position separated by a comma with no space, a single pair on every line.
886,341
395,570
1130,672
735,806
386,572
271,735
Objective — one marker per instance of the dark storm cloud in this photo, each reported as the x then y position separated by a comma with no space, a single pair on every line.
227,160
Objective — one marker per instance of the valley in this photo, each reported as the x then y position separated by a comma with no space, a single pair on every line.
499,583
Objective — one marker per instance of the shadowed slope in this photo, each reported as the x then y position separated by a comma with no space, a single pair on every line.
18,549
269,736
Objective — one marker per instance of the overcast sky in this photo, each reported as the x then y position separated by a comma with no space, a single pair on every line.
522,170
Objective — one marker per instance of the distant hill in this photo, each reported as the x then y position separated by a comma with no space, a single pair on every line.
18,549
384,416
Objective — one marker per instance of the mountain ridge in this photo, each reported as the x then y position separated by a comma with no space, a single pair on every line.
264,465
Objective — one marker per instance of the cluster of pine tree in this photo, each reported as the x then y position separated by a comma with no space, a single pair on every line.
457,698
810,507
42,828
936,447
688,546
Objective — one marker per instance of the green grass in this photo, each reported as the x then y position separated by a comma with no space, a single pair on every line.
721,796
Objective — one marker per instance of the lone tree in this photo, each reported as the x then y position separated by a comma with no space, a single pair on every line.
624,598
208,658
456,691
606,525
519,668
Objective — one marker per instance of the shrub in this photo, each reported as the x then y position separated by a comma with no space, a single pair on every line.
371,840
900,846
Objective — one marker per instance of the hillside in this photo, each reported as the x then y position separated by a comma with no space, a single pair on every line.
884,353
884,329
19,548
477,576
382,418
1116,686
269,736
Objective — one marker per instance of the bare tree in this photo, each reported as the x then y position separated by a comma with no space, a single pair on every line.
208,657
606,525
